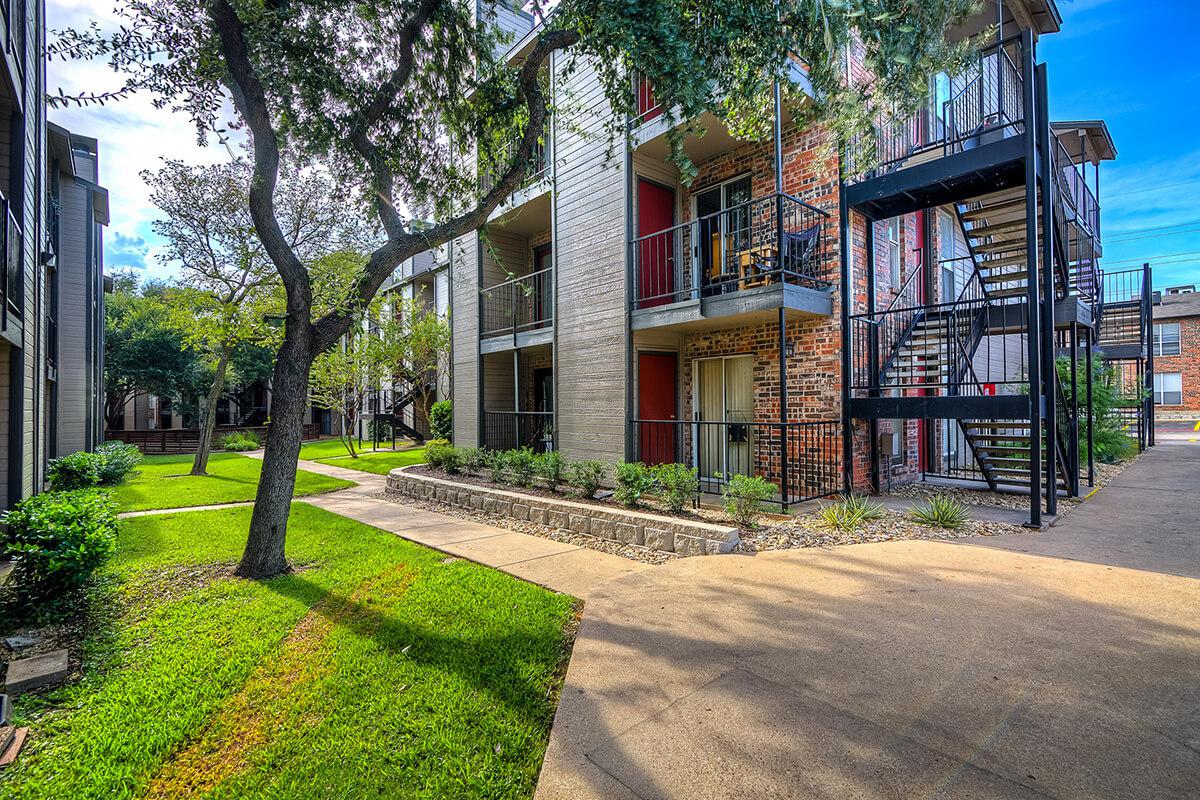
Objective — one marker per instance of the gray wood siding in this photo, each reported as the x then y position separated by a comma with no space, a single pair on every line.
74,299
590,239
464,294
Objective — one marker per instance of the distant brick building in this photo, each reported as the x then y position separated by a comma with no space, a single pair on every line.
1177,354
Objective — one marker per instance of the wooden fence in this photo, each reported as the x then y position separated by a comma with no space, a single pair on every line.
186,440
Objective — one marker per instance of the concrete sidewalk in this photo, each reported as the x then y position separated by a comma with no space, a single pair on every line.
1032,666
568,568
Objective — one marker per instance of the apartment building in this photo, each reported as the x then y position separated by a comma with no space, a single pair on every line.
51,291
613,311
1176,349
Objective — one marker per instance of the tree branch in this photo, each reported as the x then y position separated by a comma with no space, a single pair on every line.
387,257
251,101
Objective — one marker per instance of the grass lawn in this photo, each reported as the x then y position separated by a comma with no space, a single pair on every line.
232,478
374,670
381,462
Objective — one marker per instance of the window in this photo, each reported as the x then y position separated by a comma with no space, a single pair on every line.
1166,339
894,252
1168,389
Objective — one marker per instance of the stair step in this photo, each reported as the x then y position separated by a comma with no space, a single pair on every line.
1003,246
997,228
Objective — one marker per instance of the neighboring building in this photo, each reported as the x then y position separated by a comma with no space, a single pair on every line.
614,312
74,291
52,277
1177,353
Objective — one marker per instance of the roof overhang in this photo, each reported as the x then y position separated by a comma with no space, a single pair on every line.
1086,140
58,141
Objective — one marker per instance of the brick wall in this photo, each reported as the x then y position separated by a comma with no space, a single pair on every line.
1187,364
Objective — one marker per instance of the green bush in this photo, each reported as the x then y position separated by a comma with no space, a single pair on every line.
634,479
942,512
379,430
520,465
743,497
436,451
441,420
496,463
452,461
75,471
551,468
586,476
472,460
57,540
1109,445
677,485
118,461
240,441
849,513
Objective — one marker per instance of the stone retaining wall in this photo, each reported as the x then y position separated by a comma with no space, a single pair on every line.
669,534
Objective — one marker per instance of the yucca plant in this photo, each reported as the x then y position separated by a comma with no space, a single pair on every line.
849,513
942,512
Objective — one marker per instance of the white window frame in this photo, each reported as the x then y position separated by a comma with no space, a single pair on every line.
1162,392
893,236
1167,345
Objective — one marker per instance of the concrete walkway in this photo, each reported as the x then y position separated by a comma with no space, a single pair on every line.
1060,664
568,568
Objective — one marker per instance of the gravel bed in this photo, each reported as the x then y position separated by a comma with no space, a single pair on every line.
1105,474
633,552
809,530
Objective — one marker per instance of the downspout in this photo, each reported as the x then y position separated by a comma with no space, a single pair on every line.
783,372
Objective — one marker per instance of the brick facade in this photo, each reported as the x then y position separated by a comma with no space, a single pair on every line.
1186,364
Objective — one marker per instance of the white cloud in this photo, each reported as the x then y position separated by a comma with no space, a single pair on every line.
133,136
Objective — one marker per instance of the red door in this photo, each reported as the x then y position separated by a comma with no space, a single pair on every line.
655,253
657,408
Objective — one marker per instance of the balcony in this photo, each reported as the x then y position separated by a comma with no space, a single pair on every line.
535,182
511,430
12,283
518,312
967,142
801,459
734,266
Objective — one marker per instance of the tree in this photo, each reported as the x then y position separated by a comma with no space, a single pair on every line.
344,377
229,287
396,96
424,358
144,351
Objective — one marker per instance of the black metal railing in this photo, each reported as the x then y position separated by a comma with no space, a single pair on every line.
536,164
12,282
511,430
1125,308
801,459
646,105
942,346
774,239
986,103
519,305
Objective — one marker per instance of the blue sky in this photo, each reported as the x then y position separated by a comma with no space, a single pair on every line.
1133,64
1129,62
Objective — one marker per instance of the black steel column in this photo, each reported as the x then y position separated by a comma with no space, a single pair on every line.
1148,336
1074,410
1049,369
1091,412
1033,351
783,410
846,299
872,355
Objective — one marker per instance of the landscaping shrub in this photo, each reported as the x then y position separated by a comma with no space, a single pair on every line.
239,441
496,463
75,471
942,512
520,465
633,480
58,539
436,452
551,468
849,513
677,485
472,460
743,497
118,461
1110,443
452,461
586,477
441,420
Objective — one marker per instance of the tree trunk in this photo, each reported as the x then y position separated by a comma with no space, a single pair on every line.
264,554
208,415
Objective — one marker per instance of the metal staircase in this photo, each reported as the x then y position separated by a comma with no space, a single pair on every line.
394,414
